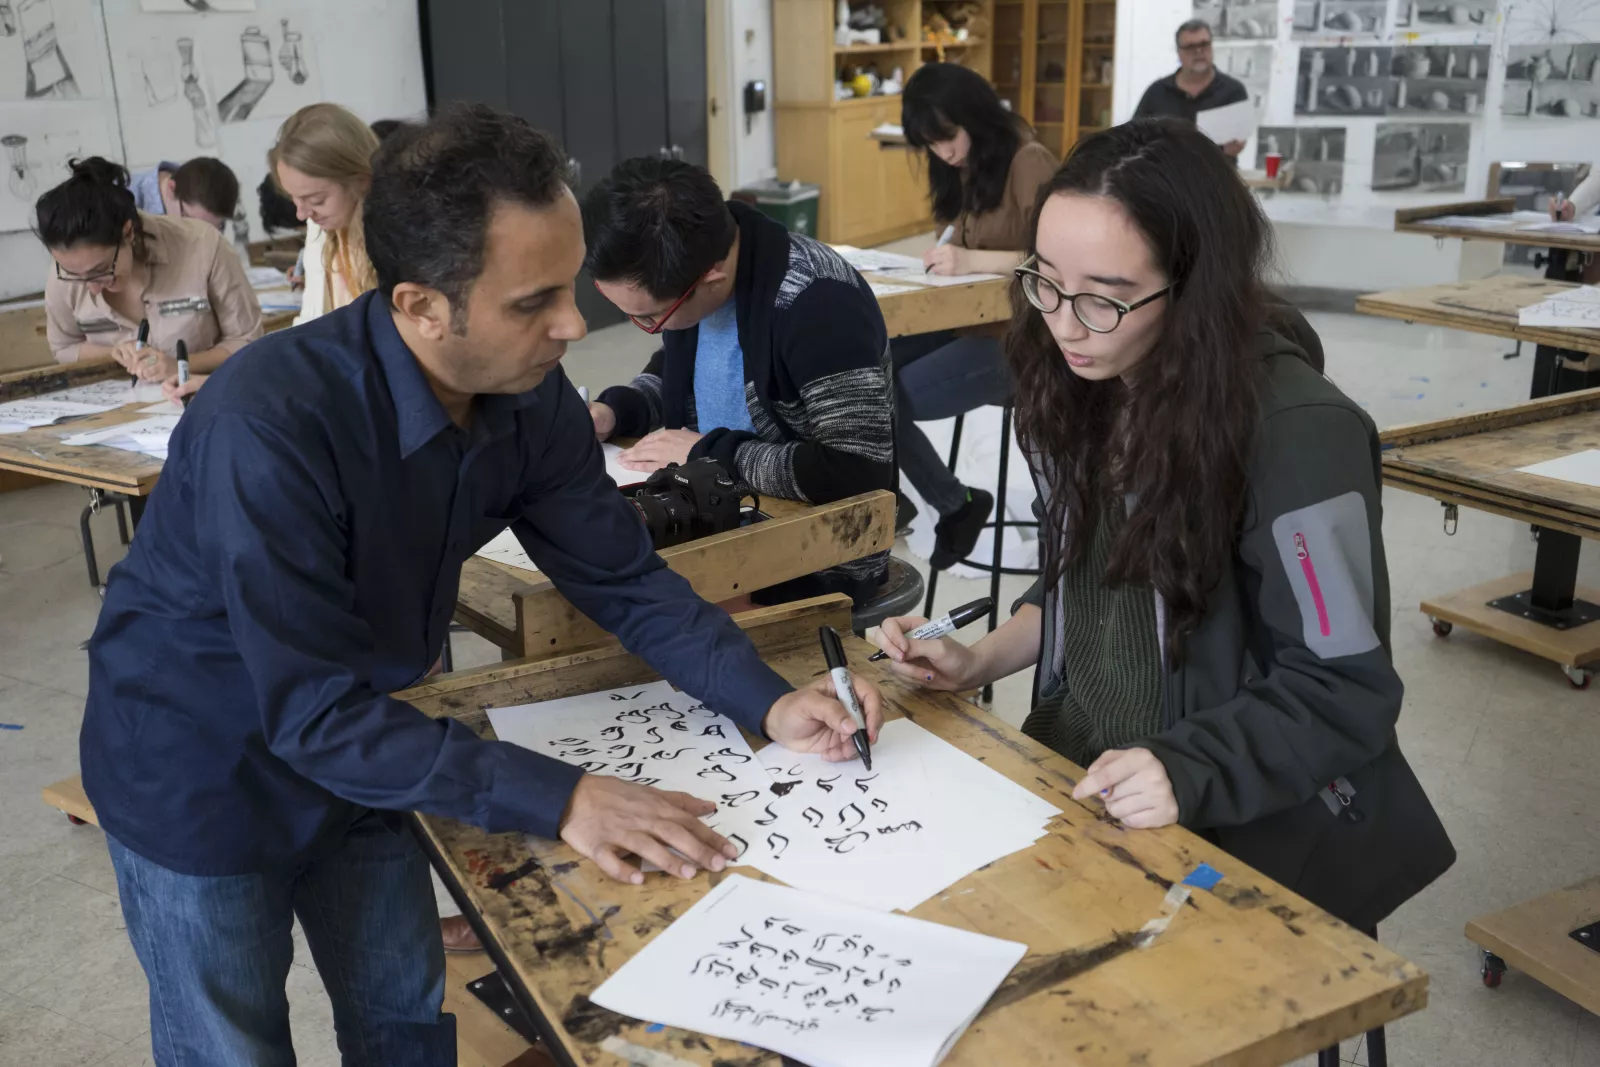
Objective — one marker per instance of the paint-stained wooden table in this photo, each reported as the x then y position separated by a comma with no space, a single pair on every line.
1488,306
521,612
1248,973
928,308
1427,221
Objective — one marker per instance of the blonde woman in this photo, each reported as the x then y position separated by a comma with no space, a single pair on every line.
323,162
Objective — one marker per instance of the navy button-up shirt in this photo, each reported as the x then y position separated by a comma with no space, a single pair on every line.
299,560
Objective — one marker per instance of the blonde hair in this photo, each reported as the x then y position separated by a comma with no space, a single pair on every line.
327,141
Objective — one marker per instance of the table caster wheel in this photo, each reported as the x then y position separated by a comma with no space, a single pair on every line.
1494,968
74,820
1577,676
1442,628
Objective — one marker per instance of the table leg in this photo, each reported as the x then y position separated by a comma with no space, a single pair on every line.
1552,600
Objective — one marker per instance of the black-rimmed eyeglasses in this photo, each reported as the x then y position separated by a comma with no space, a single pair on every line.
103,274
1100,314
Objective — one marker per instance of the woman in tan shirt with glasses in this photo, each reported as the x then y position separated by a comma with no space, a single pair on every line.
116,267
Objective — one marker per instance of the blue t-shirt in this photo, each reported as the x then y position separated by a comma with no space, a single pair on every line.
719,401
145,185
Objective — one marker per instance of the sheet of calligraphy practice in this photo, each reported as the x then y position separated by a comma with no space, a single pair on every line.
650,734
824,982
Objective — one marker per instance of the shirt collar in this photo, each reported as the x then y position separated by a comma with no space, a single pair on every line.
418,413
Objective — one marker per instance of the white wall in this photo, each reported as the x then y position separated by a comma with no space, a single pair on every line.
1347,241
745,55
364,54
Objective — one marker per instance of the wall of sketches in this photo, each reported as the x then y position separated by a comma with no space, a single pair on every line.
146,81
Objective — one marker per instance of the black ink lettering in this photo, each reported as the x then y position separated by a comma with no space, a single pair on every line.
869,1014
822,966
777,843
880,803
741,842
913,826
681,726
847,1001
792,986
620,751
713,965
844,816
630,770
664,754
714,730
654,734
852,973
739,942
625,696
807,815
861,783
783,789
593,767
730,754
771,818
715,771
634,716
733,800
894,983
768,983
826,784
790,956
613,733
757,949
568,741
645,781
821,943
585,751
846,843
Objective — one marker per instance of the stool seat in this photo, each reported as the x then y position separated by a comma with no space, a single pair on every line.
898,595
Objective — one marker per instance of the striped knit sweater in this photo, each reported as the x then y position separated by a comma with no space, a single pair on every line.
817,382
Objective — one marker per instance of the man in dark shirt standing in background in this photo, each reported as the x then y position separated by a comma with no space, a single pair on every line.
1197,85
300,560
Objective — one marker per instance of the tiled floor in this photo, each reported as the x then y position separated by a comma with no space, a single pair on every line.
1504,745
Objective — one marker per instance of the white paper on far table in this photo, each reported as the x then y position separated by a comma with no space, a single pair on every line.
1573,314
825,983
19,415
1580,467
1230,122
144,435
650,734
942,280
166,407
112,393
870,259
883,289
1574,227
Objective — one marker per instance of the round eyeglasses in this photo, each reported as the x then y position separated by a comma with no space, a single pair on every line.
1100,314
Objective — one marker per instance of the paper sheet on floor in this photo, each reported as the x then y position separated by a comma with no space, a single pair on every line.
822,982
143,435
1580,467
651,734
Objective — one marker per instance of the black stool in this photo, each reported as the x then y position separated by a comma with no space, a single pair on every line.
134,506
1377,1044
898,595
999,525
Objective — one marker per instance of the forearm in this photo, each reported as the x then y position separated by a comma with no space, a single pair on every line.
209,359
84,352
1013,646
981,262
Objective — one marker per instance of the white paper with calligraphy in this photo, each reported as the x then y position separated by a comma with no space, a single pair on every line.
651,734
826,983
926,815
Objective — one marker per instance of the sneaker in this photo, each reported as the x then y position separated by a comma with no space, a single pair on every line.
957,534
905,513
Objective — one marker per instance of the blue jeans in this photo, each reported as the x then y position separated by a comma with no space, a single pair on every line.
216,951
939,376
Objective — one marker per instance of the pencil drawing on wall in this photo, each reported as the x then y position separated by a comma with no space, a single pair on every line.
1339,18
1427,156
48,75
1239,19
1444,16
1251,64
1554,81
1440,79
1313,156
1344,81
183,7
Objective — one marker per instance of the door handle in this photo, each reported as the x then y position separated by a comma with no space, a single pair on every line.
664,152
677,151
575,169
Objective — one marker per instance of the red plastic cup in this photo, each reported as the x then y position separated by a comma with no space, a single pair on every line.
1274,161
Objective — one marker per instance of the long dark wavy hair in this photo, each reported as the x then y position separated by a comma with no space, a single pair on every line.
942,97
1174,439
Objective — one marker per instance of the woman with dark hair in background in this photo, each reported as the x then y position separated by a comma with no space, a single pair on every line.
984,171
1211,634
116,266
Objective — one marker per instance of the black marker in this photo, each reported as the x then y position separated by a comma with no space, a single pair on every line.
949,624
183,370
833,653
139,341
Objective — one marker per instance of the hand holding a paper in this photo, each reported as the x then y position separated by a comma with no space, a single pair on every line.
607,818
812,719
1135,787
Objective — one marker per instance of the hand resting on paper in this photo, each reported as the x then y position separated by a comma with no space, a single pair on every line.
655,450
1135,788
608,817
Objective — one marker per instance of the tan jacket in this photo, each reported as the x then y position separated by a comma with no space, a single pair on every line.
1005,229
197,293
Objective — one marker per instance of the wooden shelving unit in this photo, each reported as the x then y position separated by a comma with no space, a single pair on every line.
871,192
1052,59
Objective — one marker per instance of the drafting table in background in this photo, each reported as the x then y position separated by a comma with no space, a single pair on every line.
1247,974
521,612
927,308
1474,461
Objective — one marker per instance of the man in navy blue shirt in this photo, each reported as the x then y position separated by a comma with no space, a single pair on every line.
300,559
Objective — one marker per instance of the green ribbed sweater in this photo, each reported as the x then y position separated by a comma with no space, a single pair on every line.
1111,691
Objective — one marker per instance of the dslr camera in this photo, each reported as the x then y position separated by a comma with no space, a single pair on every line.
679,503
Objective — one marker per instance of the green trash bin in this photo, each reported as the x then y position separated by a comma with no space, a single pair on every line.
792,203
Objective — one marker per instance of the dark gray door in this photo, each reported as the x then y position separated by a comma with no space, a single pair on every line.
533,64
589,108
641,65
685,40
467,51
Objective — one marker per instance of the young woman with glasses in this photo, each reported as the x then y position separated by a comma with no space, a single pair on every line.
116,267
1211,634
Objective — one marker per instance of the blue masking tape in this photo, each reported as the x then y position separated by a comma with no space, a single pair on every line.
1204,876
654,1028
10,726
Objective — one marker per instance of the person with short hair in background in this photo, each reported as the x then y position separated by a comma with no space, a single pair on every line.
204,188
1197,85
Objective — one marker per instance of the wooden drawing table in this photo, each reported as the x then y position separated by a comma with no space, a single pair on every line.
1421,220
1249,973
950,307
1487,306
1472,461
521,612
1552,939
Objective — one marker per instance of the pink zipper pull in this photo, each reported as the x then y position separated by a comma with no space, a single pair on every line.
1303,554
